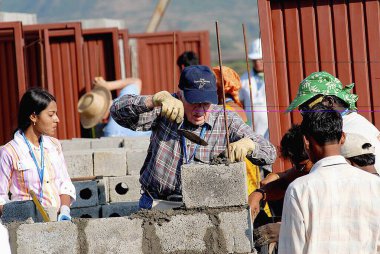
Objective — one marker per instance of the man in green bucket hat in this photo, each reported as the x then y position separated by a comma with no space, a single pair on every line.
322,87
319,84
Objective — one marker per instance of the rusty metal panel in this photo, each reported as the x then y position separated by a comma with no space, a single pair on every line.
156,59
101,54
12,82
300,37
124,37
60,70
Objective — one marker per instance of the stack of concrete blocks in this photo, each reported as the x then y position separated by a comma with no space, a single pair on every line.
116,162
215,219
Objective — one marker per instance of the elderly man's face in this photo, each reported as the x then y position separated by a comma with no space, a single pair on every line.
197,113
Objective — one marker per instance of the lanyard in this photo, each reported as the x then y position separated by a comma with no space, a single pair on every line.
202,135
42,169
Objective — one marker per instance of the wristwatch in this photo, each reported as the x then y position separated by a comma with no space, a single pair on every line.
262,193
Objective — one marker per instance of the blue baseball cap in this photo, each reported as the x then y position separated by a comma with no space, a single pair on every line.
198,84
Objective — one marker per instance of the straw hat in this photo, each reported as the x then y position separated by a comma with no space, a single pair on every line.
93,105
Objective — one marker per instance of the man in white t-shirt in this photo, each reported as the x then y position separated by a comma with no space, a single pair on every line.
322,87
335,208
259,108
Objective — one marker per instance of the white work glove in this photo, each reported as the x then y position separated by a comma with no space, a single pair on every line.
64,214
171,108
240,149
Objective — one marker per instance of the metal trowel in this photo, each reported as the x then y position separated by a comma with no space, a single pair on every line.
191,136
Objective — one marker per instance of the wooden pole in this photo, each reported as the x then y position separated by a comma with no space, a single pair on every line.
249,75
250,94
224,95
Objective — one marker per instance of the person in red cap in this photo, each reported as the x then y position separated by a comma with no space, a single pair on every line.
194,107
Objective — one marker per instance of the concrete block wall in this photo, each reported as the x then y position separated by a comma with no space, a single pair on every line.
117,161
222,228
212,230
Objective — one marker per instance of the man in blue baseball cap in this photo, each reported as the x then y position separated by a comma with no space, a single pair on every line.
194,107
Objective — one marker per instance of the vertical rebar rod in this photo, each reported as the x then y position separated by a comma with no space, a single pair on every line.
224,95
249,76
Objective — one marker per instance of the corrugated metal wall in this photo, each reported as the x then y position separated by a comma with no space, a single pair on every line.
64,59
11,77
300,37
101,54
62,62
157,65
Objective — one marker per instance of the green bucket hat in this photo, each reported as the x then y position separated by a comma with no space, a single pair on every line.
323,83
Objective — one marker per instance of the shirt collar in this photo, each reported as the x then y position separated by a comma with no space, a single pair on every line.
21,142
327,161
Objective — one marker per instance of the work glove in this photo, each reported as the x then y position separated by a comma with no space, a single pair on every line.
171,108
64,214
267,234
240,149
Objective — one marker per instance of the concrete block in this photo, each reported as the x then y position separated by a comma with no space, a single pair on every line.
110,162
237,231
119,209
79,163
114,235
137,143
135,160
75,144
19,211
87,194
86,212
184,233
214,185
102,143
103,191
124,188
52,237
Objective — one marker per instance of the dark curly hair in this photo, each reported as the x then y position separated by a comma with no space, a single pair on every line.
292,145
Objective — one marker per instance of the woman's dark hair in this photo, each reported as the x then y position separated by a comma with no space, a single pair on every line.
34,101
323,124
363,160
291,146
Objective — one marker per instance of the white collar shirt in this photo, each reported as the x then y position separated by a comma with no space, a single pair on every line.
333,209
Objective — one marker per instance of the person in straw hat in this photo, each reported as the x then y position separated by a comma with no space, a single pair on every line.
94,106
